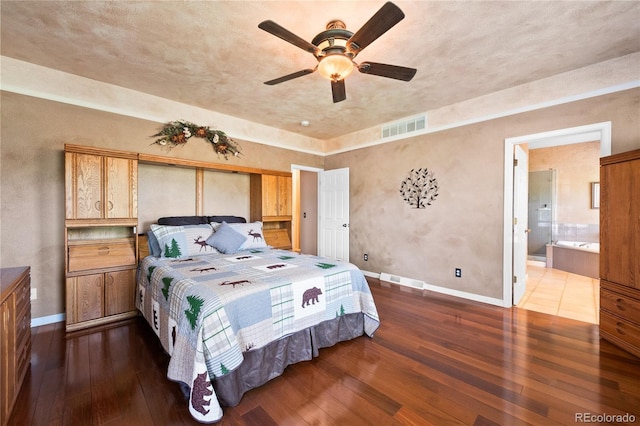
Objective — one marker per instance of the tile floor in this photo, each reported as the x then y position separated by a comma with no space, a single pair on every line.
561,293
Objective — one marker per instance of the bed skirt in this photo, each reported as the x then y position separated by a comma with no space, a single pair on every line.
266,363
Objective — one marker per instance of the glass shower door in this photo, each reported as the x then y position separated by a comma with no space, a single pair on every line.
541,212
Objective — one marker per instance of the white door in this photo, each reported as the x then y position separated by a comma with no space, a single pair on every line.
520,221
333,214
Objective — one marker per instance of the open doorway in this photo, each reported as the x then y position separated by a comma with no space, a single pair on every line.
320,198
512,267
564,232
304,227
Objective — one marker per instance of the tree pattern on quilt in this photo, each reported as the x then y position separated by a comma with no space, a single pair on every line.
195,304
150,272
201,388
166,281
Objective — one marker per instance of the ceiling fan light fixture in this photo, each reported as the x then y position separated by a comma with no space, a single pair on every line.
335,66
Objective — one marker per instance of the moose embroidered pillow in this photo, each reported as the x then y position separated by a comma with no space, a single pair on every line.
183,241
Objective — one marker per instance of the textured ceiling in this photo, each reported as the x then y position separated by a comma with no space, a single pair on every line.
211,54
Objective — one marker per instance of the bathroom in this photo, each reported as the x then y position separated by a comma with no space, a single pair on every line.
563,207
563,241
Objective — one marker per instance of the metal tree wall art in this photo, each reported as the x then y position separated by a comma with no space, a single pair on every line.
420,188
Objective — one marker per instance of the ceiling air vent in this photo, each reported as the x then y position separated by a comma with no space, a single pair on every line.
405,126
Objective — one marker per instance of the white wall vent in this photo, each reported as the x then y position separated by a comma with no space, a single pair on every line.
408,282
407,125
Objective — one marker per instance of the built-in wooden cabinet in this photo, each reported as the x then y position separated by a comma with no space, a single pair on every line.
101,186
271,201
100,235
276,196
15,335
620,250
93,297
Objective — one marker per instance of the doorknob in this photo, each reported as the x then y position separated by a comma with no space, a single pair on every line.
345,225
528,230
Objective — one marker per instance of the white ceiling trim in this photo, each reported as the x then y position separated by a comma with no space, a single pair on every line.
41,82
46,83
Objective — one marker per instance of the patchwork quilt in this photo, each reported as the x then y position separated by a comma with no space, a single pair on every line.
208,310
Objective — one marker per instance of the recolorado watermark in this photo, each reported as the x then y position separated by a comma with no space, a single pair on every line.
604,418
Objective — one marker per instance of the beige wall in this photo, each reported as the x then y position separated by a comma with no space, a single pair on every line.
34,132
464,226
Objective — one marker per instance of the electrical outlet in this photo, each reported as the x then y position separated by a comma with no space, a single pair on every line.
366,257
458,272
34,293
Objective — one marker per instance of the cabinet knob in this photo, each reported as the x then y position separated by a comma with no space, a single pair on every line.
620,304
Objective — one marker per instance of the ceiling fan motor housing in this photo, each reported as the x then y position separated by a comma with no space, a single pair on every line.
333,40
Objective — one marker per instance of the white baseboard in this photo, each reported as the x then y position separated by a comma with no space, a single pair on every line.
50,319
370,274
409,282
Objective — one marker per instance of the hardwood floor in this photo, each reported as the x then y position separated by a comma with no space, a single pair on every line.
434,360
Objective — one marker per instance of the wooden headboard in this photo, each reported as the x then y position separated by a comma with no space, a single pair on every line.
143,246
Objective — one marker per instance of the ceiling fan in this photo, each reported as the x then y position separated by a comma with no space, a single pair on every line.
336,48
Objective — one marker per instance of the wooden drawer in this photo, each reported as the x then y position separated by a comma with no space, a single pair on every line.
85,256
23,298
23,359
23,328
278,238
620,332
620,305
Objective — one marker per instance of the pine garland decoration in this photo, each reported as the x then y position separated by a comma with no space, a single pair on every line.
176,133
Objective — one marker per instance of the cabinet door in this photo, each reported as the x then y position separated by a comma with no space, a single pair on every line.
120,291
85,298
620,213
270,191
83,186
276,195
284,196
121,188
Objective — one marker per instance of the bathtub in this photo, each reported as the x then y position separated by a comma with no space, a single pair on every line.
579,245
577,257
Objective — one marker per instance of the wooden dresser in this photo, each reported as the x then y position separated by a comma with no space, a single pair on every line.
620,250
15,335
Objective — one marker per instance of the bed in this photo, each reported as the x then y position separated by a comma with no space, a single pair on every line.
233,313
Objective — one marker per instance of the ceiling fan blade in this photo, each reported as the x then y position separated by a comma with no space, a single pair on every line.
286,35
385,18
338,90
386,70
289,77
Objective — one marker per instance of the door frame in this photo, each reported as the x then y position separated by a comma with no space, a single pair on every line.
588,133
